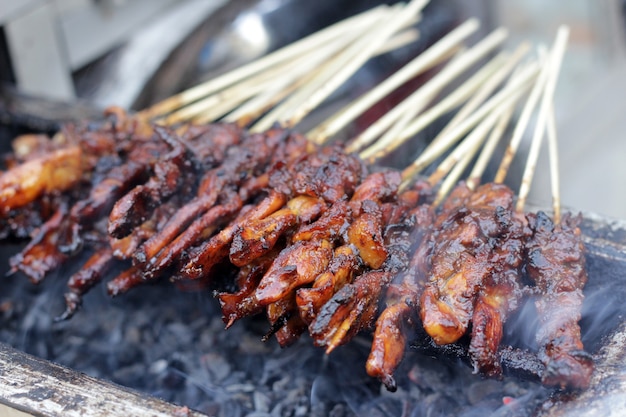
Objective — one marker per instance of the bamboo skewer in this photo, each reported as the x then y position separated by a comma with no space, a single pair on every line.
420,98
554,166
399,40
286,53
426,60
285,85
486,89
554,65
485,156
301,103
394,137
280,87
522,123
284,74
450,181
474,139
245,89
517,86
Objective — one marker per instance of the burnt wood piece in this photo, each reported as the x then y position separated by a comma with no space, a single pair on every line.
37,387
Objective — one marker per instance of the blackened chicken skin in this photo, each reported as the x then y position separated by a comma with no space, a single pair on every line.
84,213
92,272
351,310
462,244
136,206
243,302
395,323
198,149
215,250
250,159
294,267
362,240
499,295
556,263
42,253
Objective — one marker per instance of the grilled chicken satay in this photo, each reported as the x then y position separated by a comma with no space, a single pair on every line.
92,272
351,310
105,257
303,260
248,160
312,182
105,190
463,241
363,240
22,222
125,247
198,149
354,306
499,295
45,167
258,237
215,250
556,263
243,302
307,254
56,171
343,266
400,314
42,253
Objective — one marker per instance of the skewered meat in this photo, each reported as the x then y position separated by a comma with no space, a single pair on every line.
248,160
556,263
216,249
499,295
306,235
354,302
394,324
55,171
89,275
42,253
463,242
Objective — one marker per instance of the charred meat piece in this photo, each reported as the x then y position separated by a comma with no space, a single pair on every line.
94,270
400,314
329,173
351,310
556,263
243,302
499,295
463,240
56,171
42,253
257,237
203,227
301,180
215,250
341,270
250,159
167,176
297,265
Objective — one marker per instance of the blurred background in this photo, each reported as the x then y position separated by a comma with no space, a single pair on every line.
66,59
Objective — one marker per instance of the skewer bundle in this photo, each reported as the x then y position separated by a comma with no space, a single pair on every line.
316,236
